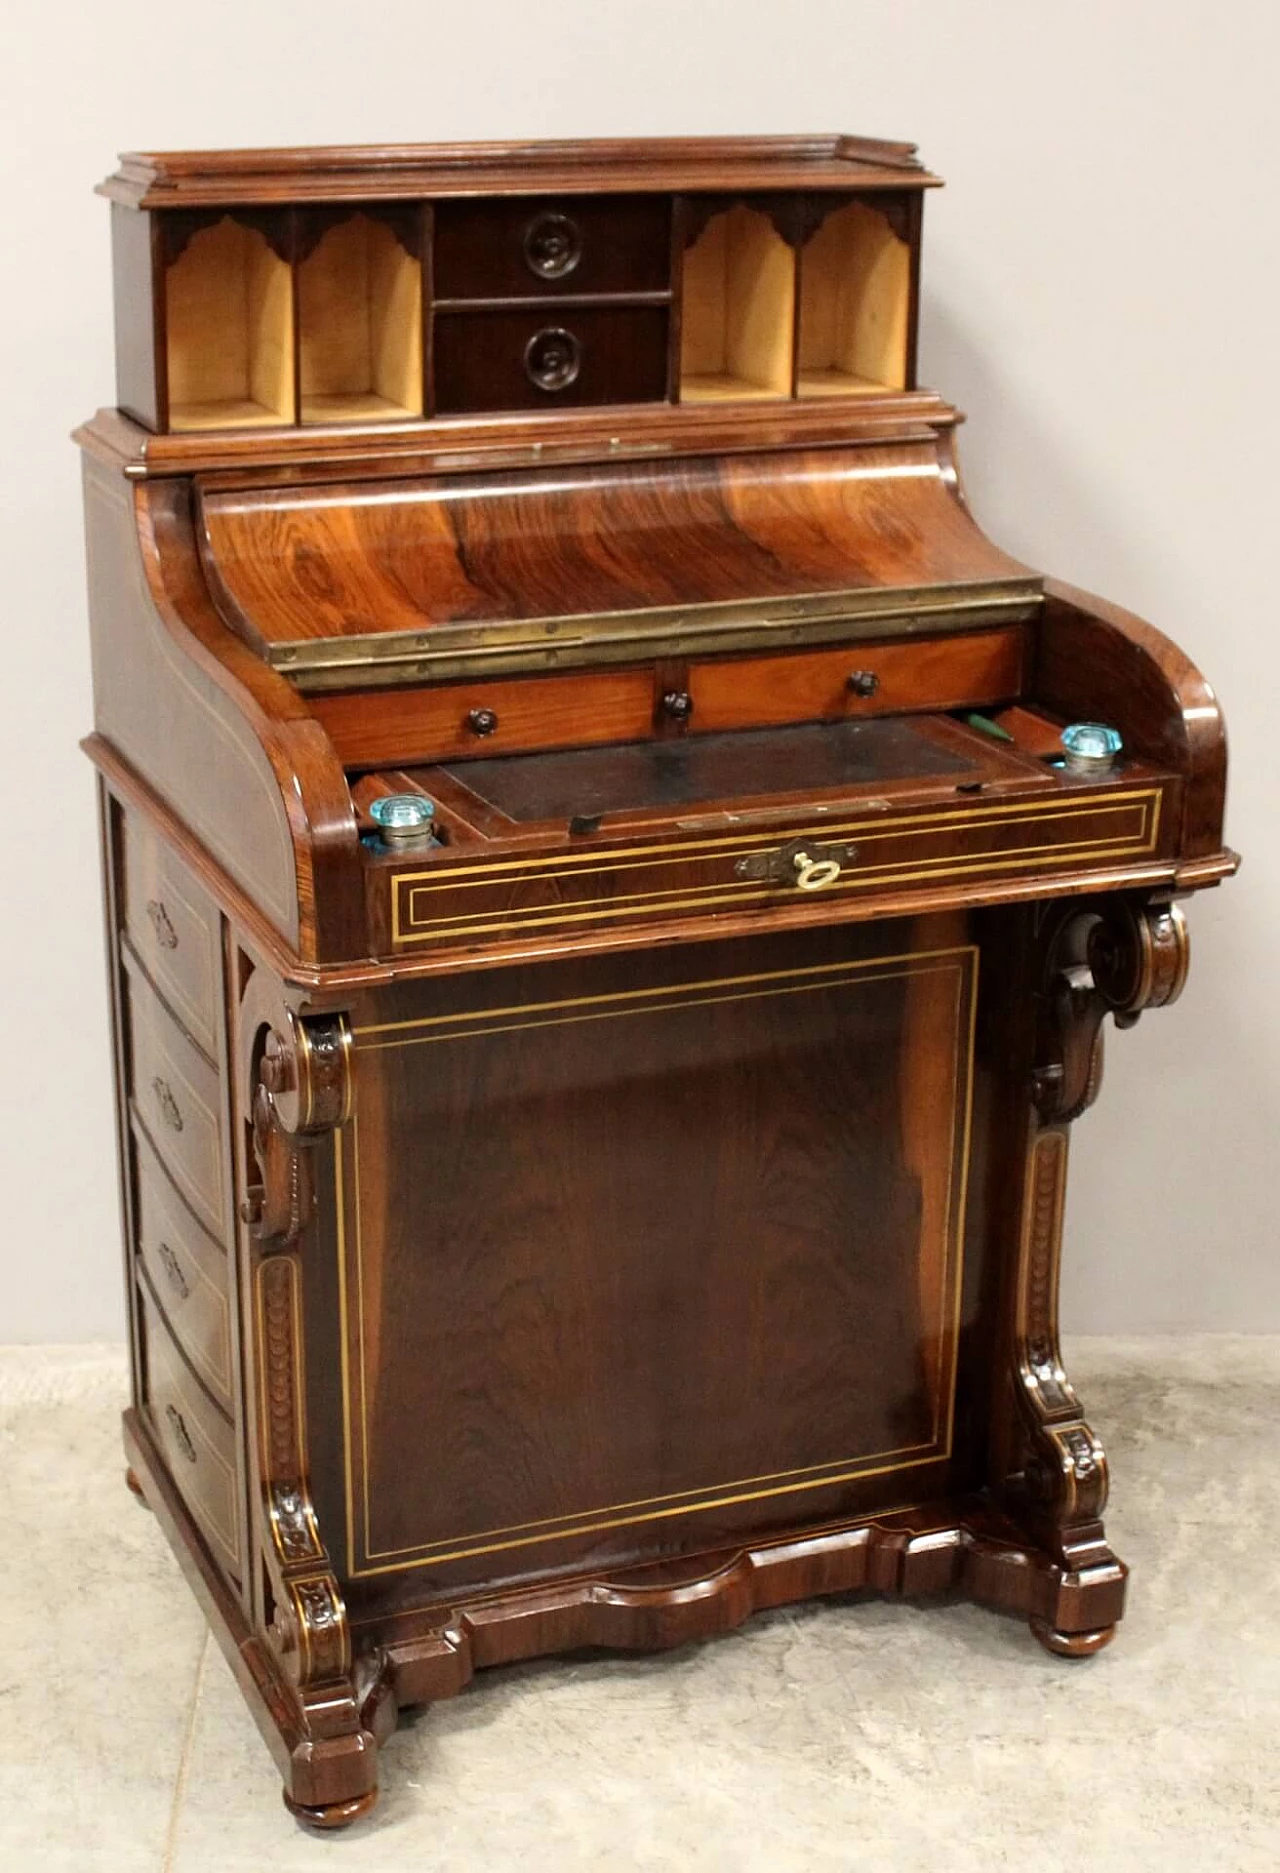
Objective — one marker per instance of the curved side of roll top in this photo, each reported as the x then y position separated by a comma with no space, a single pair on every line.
1094,658
223,741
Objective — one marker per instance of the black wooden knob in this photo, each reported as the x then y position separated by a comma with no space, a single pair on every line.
481,721
552,246
678,704
864,682
552,359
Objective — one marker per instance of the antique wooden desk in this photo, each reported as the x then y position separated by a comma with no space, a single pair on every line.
621,1187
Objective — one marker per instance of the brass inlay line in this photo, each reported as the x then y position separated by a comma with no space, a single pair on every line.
615,905
615,1014
686,988
942,818
836,1470
517,922
413,891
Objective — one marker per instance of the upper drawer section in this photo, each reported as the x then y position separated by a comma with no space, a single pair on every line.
515,249
547,356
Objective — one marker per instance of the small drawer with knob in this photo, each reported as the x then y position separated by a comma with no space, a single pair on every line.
550,358
961,670
566,244
188,1272
173,928
175,1098
196,1439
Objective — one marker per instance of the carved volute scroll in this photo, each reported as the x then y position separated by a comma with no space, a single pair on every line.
1109,957
300,1091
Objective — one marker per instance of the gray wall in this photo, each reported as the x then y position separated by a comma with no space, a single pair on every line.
1100,291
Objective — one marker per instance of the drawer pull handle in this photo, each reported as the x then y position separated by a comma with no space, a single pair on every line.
181,1435
161,923
801,864
170,1111
481,721
552,359
678,704
864,682
173,1268
552,246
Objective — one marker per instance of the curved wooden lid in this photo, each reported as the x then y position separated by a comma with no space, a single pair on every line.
379,582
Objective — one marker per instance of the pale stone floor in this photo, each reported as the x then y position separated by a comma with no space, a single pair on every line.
844,1735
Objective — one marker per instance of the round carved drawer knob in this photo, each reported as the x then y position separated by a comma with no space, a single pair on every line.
552,246
552,359
864,682
678,704
481,721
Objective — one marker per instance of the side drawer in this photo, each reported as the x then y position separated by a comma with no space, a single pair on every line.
176,1096
1061,832
549,358
174,929
403,727
198,1441
188,1273
860,679
521,246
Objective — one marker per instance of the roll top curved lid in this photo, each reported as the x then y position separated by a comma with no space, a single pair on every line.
382,582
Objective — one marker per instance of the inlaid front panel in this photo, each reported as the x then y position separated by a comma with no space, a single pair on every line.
861,853
645,1257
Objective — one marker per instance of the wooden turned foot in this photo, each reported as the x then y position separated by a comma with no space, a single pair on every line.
136,1487
1072,1644
334,1814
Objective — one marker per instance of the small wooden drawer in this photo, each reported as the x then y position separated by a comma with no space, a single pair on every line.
176,1096
516,248
198,1440
174,929
863,679
858,854
406,726
549,357
188,1273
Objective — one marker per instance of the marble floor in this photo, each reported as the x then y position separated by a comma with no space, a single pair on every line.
840,1735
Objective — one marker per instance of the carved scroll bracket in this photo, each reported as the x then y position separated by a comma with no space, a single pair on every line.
1099,957
300,1090
1113,957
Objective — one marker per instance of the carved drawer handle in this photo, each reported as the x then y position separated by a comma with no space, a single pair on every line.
170,1111
807,866
173,1268
552,246
162,924
552,359
181,1435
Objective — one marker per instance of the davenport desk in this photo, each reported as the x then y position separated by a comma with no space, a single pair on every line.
614,886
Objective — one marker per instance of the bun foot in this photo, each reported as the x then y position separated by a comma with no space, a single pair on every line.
135,1487
334,1814
1072,1644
